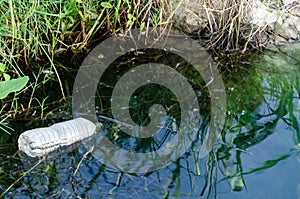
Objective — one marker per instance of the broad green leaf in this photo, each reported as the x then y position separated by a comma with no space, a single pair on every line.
106,5
13,85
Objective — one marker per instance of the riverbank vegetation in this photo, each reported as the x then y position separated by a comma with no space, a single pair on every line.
34,34
38,36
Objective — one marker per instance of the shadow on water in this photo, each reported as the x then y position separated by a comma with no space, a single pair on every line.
257,157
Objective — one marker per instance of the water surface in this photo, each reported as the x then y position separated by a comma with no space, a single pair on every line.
257,157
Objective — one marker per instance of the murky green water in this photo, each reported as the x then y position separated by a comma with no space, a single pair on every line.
257,157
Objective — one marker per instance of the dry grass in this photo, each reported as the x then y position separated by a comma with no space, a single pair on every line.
227,28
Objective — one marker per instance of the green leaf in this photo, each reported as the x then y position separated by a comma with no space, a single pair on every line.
13,85
6,77
106,5
270,163
142,26
2,67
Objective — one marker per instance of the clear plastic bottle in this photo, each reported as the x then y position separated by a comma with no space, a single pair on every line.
41,141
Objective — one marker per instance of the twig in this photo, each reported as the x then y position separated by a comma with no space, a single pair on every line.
117,121
83,157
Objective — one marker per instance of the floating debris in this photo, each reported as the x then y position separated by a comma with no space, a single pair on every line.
42,141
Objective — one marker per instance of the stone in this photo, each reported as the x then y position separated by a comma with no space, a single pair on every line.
190,17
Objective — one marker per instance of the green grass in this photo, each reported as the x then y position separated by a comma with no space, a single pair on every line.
31,30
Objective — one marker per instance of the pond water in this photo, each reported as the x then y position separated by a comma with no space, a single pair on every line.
257,157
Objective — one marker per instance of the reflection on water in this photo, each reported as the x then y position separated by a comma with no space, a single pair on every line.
257,157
